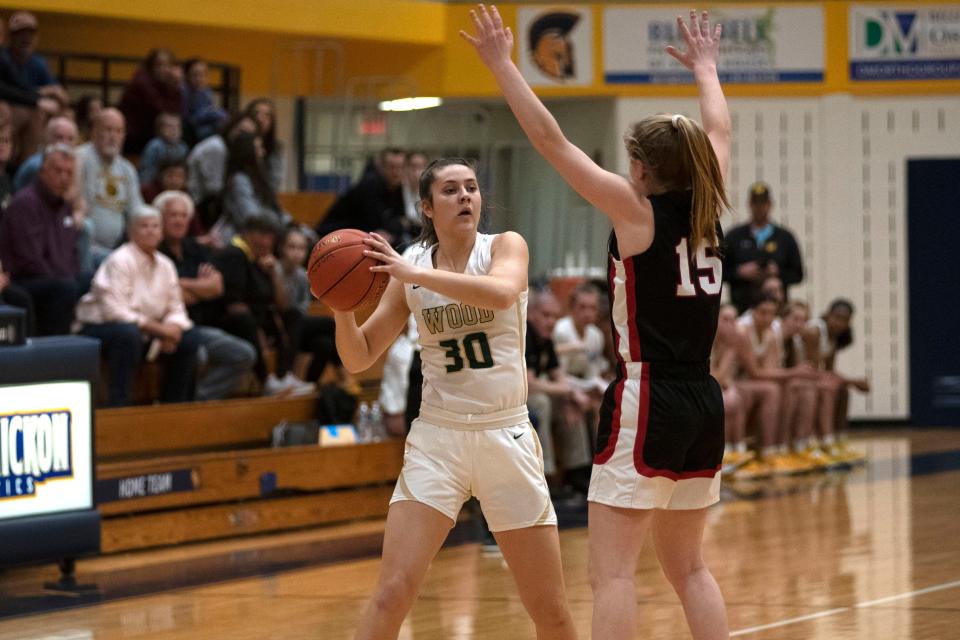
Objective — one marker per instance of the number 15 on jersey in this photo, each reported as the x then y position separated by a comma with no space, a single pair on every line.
709,271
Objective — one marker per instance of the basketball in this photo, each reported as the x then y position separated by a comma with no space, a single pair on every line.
340,274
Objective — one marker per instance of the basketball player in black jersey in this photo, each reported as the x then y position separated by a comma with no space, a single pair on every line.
660,444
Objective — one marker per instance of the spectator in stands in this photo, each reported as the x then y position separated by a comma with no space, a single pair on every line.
763,380
579,341
10,293
228,358
827,335
730,349
154,89
206,168
758,249
59,130
402,378
86,110
375,203
579,345
548,388
25,107
168,143
315,334
771,287
38,242
799,394
201,116
253,297
247,191
108,183
30,67
14,296
264,113
413,166
136,311
6,153
171,175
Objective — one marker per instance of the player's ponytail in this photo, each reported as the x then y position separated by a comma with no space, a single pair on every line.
678,152
709,195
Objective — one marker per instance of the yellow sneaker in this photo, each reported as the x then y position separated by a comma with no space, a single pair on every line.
733,460
846,454
753,470
822,459
789,464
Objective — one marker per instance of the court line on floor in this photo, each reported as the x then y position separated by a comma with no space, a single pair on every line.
859,605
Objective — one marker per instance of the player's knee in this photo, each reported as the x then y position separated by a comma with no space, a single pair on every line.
395,594
679,574
549,609
603,574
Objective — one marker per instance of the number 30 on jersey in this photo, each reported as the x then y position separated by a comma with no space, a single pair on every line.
709,270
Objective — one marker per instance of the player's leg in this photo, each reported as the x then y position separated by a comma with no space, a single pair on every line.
615,538
677,538
414,534
533,555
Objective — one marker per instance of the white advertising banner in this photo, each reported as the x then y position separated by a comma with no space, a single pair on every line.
758,45
45,448
906,42
555,46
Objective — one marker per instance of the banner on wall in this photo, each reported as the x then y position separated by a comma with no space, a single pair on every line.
758,45
45,449
907,42
555,46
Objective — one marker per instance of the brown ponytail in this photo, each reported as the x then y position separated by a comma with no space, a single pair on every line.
678,153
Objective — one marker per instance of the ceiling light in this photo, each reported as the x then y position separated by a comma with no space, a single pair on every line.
409,104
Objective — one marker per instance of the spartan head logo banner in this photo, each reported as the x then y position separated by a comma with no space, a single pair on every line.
550,45
555,45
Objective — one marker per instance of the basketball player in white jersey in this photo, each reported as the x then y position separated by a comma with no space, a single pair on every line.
468,292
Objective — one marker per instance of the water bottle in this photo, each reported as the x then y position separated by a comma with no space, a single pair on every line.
377,430
363,423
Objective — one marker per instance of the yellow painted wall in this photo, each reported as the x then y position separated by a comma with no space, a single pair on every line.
415,40
253,51
397,21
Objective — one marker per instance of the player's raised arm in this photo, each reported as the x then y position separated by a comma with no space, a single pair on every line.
702,52
608,192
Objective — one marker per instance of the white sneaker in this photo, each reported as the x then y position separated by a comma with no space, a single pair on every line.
296,386
273,386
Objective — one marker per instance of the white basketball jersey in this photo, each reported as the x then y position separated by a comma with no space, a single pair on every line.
472,358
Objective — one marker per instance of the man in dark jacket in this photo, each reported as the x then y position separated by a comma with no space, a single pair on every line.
375,203
38,242
753,251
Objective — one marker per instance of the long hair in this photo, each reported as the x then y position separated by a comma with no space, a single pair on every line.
153,54
428,235
242,158
678,153
269,137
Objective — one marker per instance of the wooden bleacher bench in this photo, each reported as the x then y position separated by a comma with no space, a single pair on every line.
237,485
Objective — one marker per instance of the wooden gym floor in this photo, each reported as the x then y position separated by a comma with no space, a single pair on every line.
869,553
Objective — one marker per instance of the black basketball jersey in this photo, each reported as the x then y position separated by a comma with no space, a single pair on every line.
665,301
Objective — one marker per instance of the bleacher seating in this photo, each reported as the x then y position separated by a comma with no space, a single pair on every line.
238,484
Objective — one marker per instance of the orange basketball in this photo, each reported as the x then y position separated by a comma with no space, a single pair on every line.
340,274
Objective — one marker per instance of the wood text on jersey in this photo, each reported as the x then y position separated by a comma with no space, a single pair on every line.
454,316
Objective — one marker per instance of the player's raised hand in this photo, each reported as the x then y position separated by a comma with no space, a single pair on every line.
392,262
703,43
493,41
